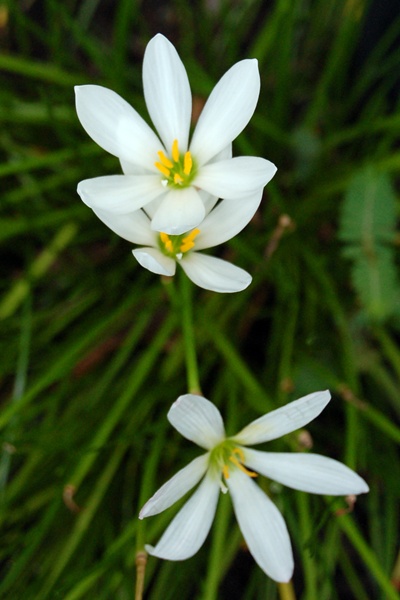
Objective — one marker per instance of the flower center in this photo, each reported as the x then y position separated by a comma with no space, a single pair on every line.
176,245
177,170
228,456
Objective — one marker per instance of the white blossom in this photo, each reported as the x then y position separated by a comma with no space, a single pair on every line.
166,172
228,464
162,252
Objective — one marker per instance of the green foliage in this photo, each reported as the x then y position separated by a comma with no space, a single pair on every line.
92,354
368,228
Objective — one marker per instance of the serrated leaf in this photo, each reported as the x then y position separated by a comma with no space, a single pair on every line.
375,279
368,225
368,214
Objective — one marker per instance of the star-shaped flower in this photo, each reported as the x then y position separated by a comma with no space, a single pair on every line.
164,170
163,251
230,465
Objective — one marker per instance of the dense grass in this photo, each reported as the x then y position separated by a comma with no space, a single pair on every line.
92,349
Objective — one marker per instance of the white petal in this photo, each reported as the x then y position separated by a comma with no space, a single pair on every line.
155,261
176,487
236,177
152,207
227,220
167,92
262,526
227,111
180,211
129,168
120,194
306,472
214,274
134,227
208,200
224,154
198,420
284,420
115,126
188,530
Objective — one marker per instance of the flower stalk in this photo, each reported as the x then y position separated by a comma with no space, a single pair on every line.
286,591
192,370
141,562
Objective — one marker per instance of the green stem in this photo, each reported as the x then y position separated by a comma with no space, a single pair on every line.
186,305
141,562
286,591
220,529
305,522
348,526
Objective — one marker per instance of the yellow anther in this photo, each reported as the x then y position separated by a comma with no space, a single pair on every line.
178,179
164,237
187,163
163,169
177,169
188,241
175,151
238,463
239,453
165,160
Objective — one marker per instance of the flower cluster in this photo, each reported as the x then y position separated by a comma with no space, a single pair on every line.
170,183
229,464
179,195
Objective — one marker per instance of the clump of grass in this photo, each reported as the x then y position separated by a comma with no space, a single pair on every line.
92,354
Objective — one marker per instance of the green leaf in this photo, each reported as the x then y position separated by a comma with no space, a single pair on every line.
368,215
375,278
368,225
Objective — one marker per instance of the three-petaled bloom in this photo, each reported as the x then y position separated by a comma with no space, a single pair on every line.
229,465
163,251
164,172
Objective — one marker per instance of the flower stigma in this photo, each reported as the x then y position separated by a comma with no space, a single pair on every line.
178,170
176,245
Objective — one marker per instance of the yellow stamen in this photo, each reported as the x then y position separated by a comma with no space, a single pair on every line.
177,169
175,151
188,241
178,179
166,241
187,163
238,463
163,169
242,467
239,452
165,160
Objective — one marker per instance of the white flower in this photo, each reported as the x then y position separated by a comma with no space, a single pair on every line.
163,251
229,465
166,171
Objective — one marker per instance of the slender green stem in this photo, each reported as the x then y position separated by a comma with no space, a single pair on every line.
305,521
186,305
286,591
370,560
220,528
396,573
141,561
19,388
